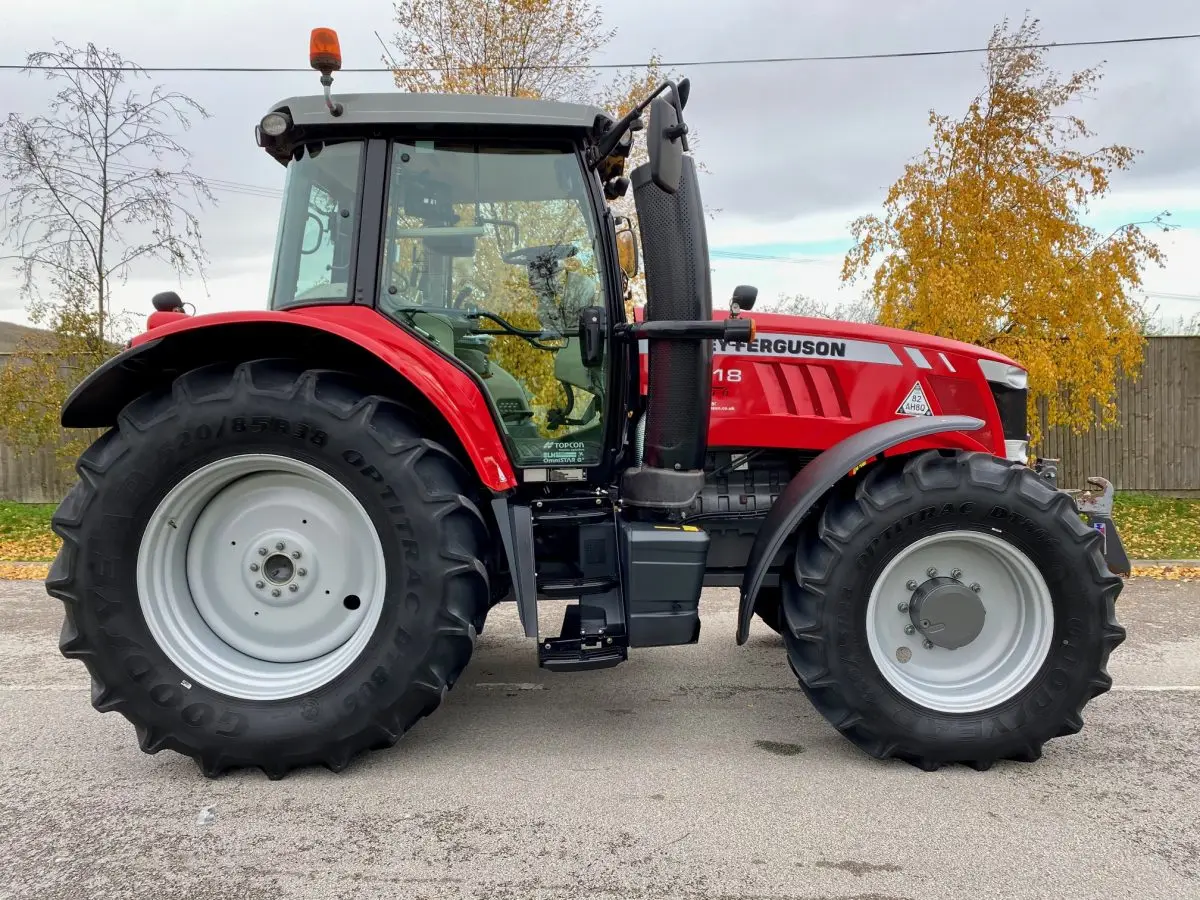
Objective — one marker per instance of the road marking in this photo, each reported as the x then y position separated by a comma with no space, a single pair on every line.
1155,688
511,685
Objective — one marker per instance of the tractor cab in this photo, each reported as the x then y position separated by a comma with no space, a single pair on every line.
476,224
480,225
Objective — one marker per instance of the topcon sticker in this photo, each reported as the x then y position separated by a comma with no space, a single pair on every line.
916,403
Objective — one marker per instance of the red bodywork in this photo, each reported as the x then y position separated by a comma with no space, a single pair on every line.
809,383
447,387
802,384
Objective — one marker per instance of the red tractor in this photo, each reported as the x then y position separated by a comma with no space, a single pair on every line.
282,549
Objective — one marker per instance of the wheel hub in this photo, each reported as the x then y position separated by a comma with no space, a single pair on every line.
278,569
947,612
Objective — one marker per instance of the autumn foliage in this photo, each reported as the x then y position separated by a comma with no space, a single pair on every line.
981,238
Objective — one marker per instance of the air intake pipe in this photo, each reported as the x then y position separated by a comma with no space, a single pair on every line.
679,290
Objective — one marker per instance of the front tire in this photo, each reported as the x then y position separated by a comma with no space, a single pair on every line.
951,608
266,566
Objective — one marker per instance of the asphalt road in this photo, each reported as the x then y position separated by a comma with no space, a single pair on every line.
691,772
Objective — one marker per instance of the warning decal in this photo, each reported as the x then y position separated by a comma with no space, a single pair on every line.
916,403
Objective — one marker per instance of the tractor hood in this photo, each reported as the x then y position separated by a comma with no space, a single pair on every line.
777,323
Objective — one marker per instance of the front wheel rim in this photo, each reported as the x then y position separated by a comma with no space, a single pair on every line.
261,576
1013,640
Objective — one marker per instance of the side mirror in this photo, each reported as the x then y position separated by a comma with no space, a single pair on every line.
664,141
744,296
627,250
591,336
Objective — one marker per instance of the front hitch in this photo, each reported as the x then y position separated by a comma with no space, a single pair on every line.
1096,510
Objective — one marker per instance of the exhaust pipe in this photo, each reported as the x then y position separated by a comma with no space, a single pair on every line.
678,288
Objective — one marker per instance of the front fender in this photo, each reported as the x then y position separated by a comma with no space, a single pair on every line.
353,339
814,480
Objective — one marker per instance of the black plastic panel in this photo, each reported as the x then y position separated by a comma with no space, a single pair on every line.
1012,404
663,570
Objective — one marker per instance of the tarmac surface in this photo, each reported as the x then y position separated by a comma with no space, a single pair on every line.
687,772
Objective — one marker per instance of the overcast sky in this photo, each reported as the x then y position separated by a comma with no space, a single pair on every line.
796,151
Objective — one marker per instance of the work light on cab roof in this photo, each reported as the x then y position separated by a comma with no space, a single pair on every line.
302,516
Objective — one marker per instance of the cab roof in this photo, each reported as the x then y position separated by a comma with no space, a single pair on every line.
403,108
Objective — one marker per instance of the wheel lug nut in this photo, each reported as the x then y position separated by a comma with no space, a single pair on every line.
276,592
924,623
262,551
259,585
295,554
293,588
957,573
928,644
280,545
253,567
912,585
975,587
931,572
902,606
908,629
302,572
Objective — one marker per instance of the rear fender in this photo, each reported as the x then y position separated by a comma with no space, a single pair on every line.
812,482
355,340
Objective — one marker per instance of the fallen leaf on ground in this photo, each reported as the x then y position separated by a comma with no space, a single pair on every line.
1167,573
23,571
30,548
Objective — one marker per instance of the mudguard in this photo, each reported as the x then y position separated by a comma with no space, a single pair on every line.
354,338
814,480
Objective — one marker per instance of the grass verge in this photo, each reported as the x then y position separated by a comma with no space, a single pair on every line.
1152,527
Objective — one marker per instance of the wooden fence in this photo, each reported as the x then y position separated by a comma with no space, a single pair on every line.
1155,446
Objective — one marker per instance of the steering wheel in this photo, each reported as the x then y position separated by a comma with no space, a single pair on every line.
527,255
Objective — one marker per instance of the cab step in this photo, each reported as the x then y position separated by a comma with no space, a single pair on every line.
585,642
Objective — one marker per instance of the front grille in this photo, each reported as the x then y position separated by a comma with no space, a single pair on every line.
1014,411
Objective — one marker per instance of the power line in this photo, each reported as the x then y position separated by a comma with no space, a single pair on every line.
695,63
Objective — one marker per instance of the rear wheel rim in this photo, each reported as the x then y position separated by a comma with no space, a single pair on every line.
261,577
1010,648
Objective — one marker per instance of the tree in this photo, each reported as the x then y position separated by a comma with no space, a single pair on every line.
981,237
507,48
43,369
95,184
802,305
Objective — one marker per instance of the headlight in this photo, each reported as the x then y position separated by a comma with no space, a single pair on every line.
275,124
1003,373
1017,451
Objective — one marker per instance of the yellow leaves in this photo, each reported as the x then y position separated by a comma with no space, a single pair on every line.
1186,574
14,572
41,546
980,239
509,48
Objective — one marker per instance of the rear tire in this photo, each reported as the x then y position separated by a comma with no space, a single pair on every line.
1041,647
236,657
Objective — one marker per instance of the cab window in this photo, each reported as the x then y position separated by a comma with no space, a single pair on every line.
314,253
490,252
